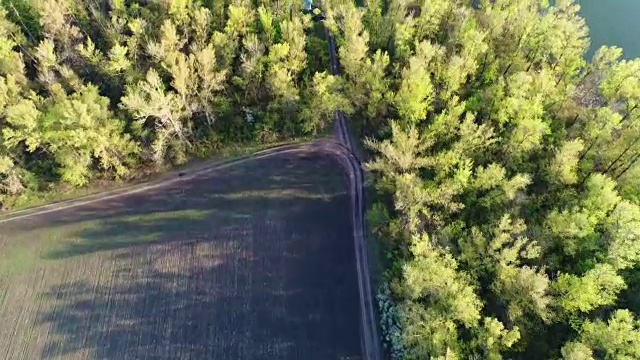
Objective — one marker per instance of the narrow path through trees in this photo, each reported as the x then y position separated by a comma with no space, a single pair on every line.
370,338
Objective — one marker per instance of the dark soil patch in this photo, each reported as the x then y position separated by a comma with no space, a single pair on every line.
252,262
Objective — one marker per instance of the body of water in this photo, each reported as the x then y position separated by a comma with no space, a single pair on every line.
613,22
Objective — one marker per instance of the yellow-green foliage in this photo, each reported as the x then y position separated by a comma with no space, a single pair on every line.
113,87
512,162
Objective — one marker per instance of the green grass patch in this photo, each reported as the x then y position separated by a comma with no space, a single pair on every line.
143,219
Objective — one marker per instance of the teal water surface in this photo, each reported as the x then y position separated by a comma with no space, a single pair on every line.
613,22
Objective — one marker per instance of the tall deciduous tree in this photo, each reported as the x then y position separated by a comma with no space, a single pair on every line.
149,100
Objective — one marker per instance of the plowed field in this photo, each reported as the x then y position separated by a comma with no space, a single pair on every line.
254,261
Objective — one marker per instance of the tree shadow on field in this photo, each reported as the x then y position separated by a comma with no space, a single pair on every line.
191,206
236,265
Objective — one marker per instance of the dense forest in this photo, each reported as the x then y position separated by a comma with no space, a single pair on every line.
507,176
505,164
99,89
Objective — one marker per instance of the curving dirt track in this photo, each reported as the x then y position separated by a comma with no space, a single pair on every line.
370,338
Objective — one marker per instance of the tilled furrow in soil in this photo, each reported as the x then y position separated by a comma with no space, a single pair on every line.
255,262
